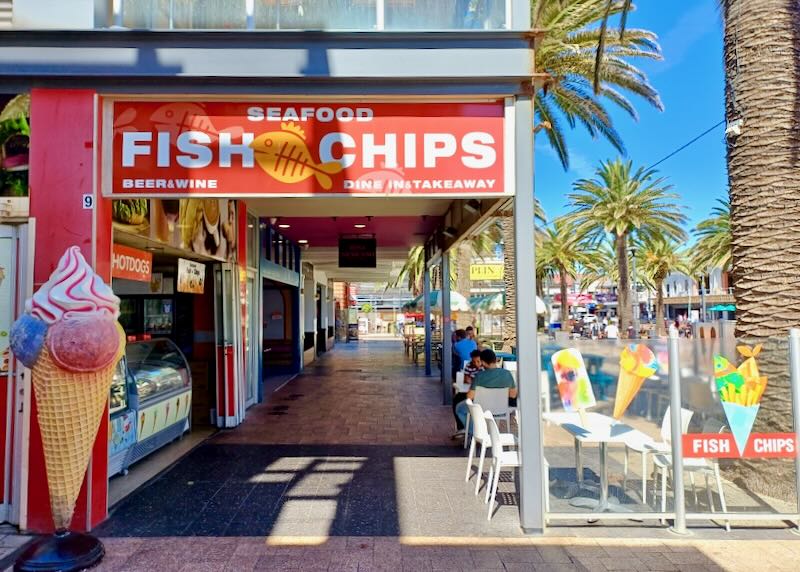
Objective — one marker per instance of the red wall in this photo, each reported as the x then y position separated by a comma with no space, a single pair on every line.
61,171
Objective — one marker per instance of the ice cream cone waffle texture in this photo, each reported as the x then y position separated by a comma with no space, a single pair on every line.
69,408
628,386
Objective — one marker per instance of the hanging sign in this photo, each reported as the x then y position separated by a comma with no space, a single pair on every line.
131,263
195,148
724,446
191,276
486,272
357,252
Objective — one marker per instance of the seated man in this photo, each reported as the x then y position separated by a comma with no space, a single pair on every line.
462,349
491,377
470,371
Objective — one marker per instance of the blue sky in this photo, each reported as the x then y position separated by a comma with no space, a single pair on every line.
690,81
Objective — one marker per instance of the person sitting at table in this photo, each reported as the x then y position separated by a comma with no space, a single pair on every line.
492,377
462,349
470,371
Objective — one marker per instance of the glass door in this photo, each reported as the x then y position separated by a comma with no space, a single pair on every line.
230,363
250,329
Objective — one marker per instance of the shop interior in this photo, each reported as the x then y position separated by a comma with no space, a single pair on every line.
163,398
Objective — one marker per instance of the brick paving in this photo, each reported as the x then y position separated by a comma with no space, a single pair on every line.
350,467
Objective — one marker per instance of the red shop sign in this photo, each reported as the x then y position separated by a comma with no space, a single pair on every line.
131,263
217,148
723,446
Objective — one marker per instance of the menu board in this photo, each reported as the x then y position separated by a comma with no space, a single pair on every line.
203,226
191,276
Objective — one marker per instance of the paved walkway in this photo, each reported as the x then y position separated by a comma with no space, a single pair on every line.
350,467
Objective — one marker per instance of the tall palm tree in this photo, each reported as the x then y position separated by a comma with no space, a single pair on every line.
713,247
762,92
622,203
601,266
510,270
567,53
561,253
660,256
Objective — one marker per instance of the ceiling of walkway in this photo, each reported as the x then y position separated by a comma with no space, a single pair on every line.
398,223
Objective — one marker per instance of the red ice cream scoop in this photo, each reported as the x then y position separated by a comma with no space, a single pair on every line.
83,344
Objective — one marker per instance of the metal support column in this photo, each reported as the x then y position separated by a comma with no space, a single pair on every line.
532,472
447,333
794,370
676,433
426,297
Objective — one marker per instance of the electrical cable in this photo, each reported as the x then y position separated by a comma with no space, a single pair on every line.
684,146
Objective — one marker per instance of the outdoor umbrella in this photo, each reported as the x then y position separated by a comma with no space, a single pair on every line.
495,303
457,303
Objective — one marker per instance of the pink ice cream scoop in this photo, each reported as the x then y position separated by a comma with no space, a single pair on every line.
81,312
83,344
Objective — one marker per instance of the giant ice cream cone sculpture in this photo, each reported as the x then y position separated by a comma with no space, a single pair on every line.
740,391
70,338
636,363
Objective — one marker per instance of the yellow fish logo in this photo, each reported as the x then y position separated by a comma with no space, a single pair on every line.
284,156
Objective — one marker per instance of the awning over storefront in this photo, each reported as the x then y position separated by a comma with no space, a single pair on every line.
457,303
495,303
723,308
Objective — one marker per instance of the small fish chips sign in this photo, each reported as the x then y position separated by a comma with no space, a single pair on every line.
245,149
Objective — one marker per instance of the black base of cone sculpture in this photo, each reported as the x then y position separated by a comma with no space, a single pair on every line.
63,551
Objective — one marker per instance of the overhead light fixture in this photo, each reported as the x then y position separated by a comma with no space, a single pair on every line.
473,206
249,226
450,231
360,225
302,241
284,225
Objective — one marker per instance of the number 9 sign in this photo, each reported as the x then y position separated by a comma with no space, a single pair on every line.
88,201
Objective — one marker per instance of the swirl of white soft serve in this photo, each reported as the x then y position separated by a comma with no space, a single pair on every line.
73,290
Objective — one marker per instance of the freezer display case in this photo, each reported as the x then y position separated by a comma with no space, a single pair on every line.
151,400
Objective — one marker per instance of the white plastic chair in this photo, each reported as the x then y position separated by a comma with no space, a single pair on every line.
501,459
652,447
480,435
694,466
495,399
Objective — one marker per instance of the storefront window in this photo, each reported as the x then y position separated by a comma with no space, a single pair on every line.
315,14
445,14
185,14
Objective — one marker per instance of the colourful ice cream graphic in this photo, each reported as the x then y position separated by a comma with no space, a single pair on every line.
740,390
70,338
636,363
574,385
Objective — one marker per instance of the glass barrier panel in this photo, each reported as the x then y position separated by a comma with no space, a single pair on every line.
604,407
146,14
739,448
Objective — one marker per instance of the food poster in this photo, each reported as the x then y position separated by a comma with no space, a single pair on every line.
6,302
123,432
202,226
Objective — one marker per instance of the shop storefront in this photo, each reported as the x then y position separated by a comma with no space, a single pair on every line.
207,157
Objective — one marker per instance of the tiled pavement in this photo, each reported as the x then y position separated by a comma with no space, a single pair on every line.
350,467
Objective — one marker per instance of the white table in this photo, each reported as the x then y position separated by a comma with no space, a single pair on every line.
600,429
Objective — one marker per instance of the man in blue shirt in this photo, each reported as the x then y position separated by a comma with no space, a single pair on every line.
463,349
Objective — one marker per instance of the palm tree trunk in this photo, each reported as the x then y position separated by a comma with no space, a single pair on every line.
762,69
562,277
509,275
762,65
624,286
463,285
660,329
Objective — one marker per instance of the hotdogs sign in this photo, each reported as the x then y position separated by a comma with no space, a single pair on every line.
188,148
